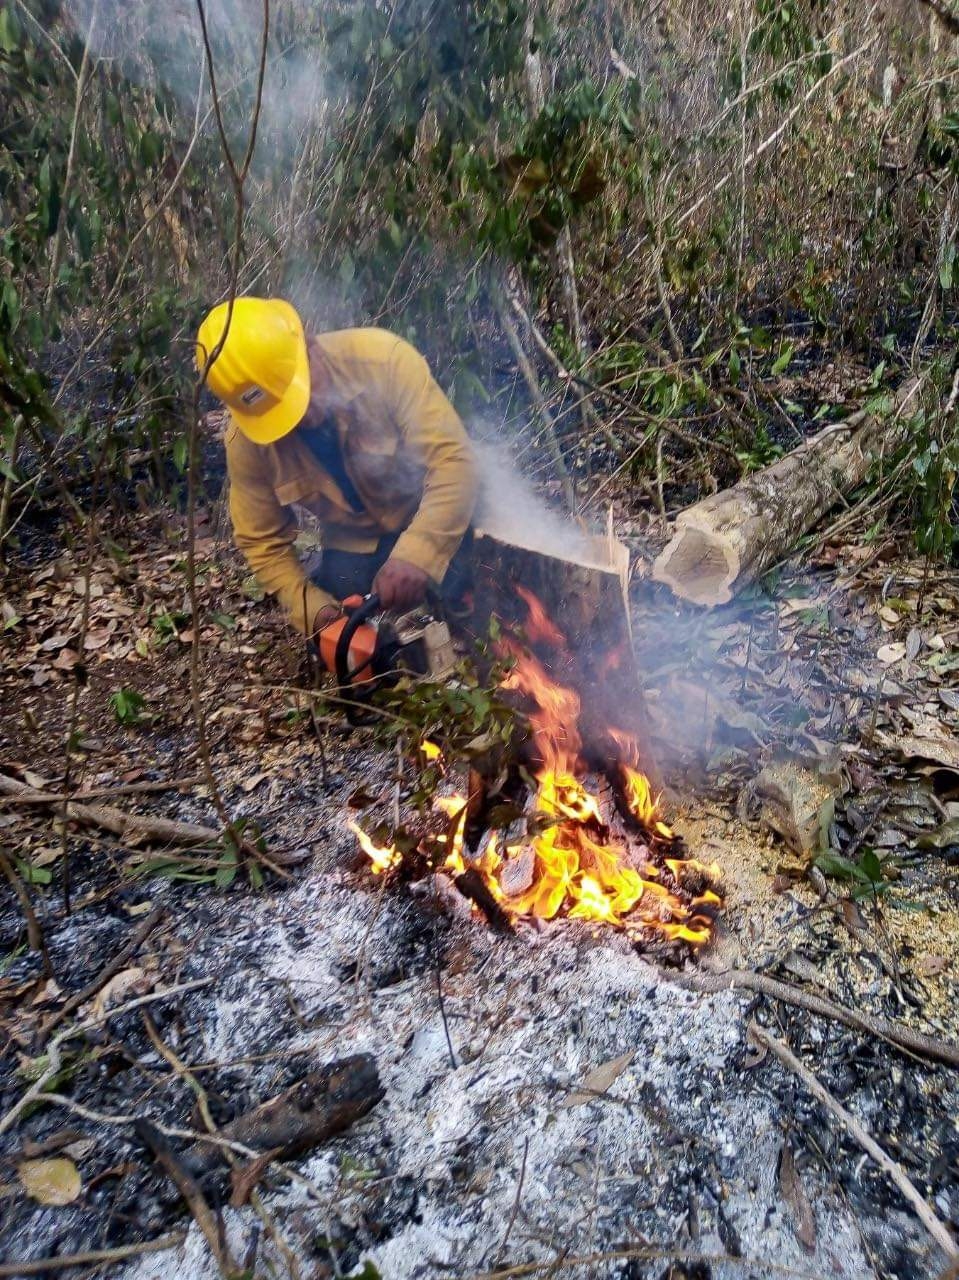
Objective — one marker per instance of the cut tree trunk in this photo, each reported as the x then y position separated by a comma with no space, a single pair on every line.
731,538
581,584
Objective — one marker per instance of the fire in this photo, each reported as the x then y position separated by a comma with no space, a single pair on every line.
573,865
382,859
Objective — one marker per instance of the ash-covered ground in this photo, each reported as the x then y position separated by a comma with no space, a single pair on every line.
526,1149
587,1116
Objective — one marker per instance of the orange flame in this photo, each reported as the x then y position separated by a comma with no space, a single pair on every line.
575,868
539,627
383,859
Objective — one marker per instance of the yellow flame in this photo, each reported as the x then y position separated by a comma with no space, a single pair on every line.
383,859
576,867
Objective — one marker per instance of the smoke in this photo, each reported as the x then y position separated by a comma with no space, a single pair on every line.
158,43
511,509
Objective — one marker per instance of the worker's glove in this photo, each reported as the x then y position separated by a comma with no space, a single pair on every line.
400,585
329,613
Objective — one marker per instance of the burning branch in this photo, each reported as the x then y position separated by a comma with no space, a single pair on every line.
567,862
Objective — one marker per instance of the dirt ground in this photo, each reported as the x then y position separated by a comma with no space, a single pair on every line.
553,1102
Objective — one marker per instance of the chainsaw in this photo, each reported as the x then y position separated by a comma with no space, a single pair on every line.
365,651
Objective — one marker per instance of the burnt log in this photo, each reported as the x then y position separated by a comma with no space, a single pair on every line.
315,1109
731,538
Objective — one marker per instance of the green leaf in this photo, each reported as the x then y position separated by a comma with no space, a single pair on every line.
32,874
127,705
9,32
781,363
10,305
369,1272
181,448
835,865
226,872
871,865
735,365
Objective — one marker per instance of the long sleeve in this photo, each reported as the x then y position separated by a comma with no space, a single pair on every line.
432,430
265,531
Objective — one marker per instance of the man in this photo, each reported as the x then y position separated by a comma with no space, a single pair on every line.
351,426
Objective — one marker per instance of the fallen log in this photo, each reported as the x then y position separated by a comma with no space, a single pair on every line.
316,1108
731,538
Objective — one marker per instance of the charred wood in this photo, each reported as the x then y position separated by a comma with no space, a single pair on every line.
472,885
315,1109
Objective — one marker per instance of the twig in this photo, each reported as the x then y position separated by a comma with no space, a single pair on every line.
73,724
893,1033
566,1262
103,977
115,820
9,478
772,139
439,983
519,1191
122,824
83,80
924,1211
658,422
35,938
31,796
536,395
189,1189
191,1135
238,174
54,1062
256,1168
39,1266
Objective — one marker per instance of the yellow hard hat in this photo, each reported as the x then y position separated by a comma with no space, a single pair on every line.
262,373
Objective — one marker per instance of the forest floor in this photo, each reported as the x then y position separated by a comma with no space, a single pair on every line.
587,1115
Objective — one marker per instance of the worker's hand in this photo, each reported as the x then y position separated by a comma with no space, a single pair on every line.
400,585
329,613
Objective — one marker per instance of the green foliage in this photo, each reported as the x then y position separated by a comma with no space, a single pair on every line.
869,877
129,707
166,626
465,717
935,470
762,451
33,874
219,866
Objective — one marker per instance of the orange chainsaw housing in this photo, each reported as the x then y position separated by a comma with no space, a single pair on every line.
362,646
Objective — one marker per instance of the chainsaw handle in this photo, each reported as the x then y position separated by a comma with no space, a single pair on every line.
356,616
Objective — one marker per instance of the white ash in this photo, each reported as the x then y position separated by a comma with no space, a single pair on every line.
529,1017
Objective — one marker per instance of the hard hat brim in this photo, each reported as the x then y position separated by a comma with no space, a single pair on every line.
264,428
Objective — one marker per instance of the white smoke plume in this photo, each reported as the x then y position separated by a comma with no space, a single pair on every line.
511,508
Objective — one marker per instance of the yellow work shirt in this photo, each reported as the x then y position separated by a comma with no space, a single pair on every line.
404,448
